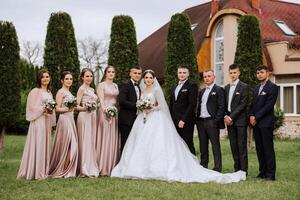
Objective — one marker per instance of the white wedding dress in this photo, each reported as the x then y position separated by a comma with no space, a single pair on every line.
154,150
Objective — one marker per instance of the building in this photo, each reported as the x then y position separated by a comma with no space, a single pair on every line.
214,26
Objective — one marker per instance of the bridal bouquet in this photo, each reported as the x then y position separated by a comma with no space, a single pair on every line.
143,104
49,105
91,105
111,111
70,102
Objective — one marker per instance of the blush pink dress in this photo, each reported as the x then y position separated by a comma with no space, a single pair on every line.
36,155
64,157
107,141
87,130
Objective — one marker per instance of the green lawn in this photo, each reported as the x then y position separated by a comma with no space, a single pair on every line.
287,185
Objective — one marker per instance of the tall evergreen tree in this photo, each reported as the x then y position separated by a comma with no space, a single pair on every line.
248,56
28,75
9,77
181,51
61,50
248,53
123,52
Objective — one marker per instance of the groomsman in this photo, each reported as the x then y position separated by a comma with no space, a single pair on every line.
182,106
129,93
210,119
262,119
236,95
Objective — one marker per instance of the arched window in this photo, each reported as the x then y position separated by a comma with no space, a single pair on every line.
219,54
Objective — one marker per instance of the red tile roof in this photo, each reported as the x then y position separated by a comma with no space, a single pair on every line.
152,50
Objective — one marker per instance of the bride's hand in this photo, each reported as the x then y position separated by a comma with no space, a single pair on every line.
147,111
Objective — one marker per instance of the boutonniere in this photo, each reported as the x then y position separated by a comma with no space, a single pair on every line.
184,90
213,93
263,93
237,93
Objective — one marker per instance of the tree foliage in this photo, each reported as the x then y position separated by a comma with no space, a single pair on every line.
123,52
9,76
61,52
181,51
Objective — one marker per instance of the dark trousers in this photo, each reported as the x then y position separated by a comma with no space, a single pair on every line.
209,131
238,143
187,134
265,151
124,130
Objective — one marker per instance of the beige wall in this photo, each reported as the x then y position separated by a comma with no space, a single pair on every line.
230,43
278,52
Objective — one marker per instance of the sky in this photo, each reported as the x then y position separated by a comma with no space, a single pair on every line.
91,17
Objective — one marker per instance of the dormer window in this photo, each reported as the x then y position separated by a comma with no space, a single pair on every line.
193,26
284,28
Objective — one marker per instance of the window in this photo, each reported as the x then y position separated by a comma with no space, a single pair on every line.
284,28
289,98
193,26
219,54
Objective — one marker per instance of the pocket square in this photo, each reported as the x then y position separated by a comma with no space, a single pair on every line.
237,93
184,90
263,93
213,93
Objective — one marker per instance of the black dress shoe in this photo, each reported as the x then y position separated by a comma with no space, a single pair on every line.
260,176
270,178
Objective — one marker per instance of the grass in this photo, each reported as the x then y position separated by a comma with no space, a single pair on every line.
287,185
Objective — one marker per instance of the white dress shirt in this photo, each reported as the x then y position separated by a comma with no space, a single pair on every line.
231,93
178,88
137,90
204,113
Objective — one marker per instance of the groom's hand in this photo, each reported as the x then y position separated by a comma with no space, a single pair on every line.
181,124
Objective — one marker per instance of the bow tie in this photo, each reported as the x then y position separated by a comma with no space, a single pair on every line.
180,82
232,84
136,84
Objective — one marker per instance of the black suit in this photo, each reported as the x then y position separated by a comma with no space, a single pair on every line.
263,110
237,132
183,108
209,128
128,110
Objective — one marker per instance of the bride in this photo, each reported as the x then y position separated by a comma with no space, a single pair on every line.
154,150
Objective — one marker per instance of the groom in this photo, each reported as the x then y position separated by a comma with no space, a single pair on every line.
130,92
182,106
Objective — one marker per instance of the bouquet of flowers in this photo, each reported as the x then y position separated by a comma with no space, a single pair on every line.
70,102
91,105
111,111
143,104
49,105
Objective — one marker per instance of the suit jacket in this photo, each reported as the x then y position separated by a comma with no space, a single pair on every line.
183,108
127,100
263,104
238,104
215,105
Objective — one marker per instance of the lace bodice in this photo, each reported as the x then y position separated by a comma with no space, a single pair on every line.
149,95
88,95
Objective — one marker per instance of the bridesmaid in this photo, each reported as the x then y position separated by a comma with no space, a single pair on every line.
107,141
36,155
64,156
86,126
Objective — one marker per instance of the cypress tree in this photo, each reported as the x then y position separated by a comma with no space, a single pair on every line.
123,52
248,56
181,51
248,53
9,77
61,50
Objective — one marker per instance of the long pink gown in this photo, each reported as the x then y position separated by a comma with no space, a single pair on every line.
87,130
107,141
64,156
36,155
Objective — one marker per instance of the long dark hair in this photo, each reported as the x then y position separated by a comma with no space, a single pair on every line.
105,72
83,72
39,79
